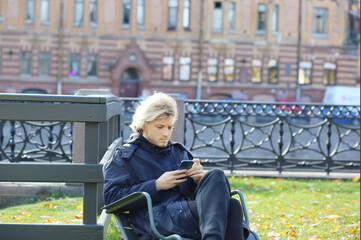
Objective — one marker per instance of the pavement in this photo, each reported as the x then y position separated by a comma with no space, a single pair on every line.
12,194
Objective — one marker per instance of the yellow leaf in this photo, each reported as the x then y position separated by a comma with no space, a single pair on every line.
18,218
356,179
52,220
352,230
79,207
79,217
291,233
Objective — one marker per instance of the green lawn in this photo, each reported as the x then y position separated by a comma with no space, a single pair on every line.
278,208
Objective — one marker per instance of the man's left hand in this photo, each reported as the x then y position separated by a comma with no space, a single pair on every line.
196,172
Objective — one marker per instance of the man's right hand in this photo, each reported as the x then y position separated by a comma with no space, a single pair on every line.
171,179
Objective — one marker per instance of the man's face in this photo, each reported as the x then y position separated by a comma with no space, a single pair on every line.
159,131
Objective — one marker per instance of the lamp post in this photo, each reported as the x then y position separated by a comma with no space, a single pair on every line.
200,65
298,87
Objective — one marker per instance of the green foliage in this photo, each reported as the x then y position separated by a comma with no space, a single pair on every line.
301,208
278,209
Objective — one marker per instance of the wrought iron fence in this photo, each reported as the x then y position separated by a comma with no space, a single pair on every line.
269,136
27,141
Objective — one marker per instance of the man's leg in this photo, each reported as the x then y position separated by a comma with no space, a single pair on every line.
235,218
212,196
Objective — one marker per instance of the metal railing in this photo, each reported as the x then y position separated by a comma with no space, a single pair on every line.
268,136
101,116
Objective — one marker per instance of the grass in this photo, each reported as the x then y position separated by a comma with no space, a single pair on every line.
278,208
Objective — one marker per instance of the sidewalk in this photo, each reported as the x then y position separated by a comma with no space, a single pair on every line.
16,193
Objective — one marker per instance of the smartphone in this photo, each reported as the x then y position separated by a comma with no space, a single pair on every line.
186,164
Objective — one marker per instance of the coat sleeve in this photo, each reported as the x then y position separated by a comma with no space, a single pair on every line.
120,182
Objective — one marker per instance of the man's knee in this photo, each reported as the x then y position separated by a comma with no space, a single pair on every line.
216,174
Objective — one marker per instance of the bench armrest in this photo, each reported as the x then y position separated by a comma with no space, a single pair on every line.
124,204
243,202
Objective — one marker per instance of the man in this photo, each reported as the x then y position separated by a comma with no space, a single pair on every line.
186,202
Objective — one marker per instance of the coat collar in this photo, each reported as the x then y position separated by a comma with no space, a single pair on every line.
142,142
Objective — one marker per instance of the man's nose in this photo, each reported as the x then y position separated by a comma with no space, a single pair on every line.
166,132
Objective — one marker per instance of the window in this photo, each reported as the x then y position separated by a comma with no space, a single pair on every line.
185,69
44,64
329,73
93,12
25,65
172,14
229,70
74,65
78,13
212,69
140,14
256,71
275,19
187,15
261,26
127,7
232,17
168,68
305,69
217,18
92,67
29,14
44,12
320,21
273,71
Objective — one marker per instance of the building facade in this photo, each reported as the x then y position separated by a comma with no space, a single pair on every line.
241,49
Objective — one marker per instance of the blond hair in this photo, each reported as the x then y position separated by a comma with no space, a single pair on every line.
159,105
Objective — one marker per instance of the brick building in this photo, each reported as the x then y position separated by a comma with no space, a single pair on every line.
244,49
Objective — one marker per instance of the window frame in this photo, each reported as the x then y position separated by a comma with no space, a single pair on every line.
276,19
256,65
328,69
305,67
167,68
261,25
273,65
187,15
172,15
212,70
185,66
95,76
232,17
78,9
46,57
26,60
29,13
46,20
228,64
217,11
126,8
141,14
325,22
93,13
72,58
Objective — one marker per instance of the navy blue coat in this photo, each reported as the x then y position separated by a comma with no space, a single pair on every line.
135,168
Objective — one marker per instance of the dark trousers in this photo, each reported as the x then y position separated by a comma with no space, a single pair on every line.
220,217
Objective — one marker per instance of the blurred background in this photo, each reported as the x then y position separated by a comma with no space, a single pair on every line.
262,50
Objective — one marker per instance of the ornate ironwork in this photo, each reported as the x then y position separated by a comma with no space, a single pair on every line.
281,137
269,136
35,141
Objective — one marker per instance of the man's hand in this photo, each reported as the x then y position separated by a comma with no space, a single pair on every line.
170,179
196,172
